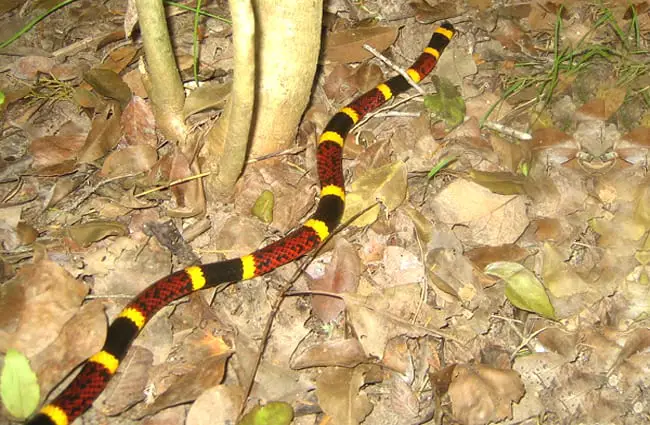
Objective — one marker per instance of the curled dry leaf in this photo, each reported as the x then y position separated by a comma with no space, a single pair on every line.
188,195
386,184
341,275
347,46
482,394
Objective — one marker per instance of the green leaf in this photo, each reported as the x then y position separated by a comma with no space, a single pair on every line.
523,289
440,165
19,388
263,208
275,413
446,105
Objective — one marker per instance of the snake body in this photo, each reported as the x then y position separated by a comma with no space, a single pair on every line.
98,369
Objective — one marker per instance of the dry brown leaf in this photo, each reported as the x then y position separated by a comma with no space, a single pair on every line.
129,161
341,275
51,297
104,134
28,67
560,279
209,95
128,386
120,58
139,124
199,364
347,46
217,405
549,137
486,218
109,84
340,396
342,352
380,317
453,274
49,151
189,195
485,255
603,106
482,394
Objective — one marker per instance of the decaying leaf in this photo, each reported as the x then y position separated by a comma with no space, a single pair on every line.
138,123
481,394
344,352
380,317
560,279
86,233
347,46
129,161
386,184
340,396
104,134
341,275
486,218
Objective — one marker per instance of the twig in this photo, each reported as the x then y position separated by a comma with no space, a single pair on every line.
396,68
174,183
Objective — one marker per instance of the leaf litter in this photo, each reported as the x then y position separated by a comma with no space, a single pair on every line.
510,285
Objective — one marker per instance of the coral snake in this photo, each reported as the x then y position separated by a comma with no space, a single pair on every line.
98,369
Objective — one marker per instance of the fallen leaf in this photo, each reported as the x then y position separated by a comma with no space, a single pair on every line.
347,46
340,396
109,84
104,134
560,279
386,184
343,352
139,124
341,275
19,389
481,394
523,289
481,217
87,233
